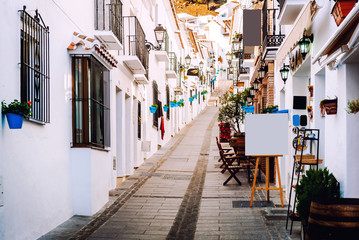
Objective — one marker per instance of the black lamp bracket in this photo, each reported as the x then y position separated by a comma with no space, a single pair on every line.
151,46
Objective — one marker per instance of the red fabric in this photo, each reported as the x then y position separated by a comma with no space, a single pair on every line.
162,128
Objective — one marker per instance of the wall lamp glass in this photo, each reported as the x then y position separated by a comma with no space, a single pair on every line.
284,72
304,43
160,32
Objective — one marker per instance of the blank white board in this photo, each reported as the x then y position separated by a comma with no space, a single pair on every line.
266,134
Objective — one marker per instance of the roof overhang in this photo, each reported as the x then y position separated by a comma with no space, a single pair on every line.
134,64
108,39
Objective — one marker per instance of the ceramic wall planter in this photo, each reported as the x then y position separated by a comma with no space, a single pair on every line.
14,120
330,106
153,109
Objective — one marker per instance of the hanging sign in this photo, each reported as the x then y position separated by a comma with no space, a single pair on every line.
192,72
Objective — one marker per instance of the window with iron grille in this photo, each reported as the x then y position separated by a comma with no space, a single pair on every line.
35,65
91,103
139,120
168,101
155,101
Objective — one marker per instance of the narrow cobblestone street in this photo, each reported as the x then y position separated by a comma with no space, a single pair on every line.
178,194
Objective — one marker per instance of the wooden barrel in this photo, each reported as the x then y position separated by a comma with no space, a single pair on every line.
334,219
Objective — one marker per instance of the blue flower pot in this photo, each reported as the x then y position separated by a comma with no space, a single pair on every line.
195,96
181,100
178,104
153,109
14,120
165,108
173,104
191,99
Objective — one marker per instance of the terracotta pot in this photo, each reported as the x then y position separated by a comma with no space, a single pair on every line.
341,9
331,106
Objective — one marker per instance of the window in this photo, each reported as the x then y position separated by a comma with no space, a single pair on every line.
35,66
168,101
91,101
155,101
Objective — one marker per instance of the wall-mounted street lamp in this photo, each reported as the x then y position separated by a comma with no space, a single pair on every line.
262,70
236,45
304,43
256,84
187,60
284,71
160,38
252,91
201,64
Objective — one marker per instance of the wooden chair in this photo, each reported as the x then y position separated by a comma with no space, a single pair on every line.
230,166
225,152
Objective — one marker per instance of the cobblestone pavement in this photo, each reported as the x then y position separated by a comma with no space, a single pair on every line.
178,193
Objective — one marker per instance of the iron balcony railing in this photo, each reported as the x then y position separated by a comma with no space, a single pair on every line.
134,40
173,62
166,44
273,41
108,17
272,35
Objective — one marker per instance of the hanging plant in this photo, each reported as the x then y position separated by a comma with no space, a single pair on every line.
353,106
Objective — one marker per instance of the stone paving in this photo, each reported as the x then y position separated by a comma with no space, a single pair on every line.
178,193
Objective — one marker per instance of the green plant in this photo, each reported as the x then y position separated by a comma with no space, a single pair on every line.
185,77
315,185
353,106
166,105
21,108
154,105
231,110
269,109
181,104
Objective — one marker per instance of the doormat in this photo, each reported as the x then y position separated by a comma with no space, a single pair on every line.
245,204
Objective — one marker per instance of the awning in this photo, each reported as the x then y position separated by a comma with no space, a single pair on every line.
83,45
290,42
345,35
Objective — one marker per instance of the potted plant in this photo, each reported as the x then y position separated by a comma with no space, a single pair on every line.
153,108
330,106
15,113
231,109
353,106
270,109
181,104
165,107
191,99
173,103
341,9
315,185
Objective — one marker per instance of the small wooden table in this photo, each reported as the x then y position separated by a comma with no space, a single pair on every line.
267,188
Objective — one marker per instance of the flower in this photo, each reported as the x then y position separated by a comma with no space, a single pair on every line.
21,108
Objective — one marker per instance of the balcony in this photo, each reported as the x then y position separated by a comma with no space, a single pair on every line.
248,60
272,37
289,10
108,23
135,54
171,72
244,73
270,46
162,54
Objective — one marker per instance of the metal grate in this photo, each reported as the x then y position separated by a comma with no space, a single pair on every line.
35,65
108,17
155,101
134,40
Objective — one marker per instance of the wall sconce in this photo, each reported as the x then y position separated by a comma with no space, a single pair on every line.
304,43
236,45
252,91
160,37
256,84
201,64
262,71
187,60
284,71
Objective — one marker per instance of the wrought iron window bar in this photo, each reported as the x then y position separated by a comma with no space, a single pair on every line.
35,65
